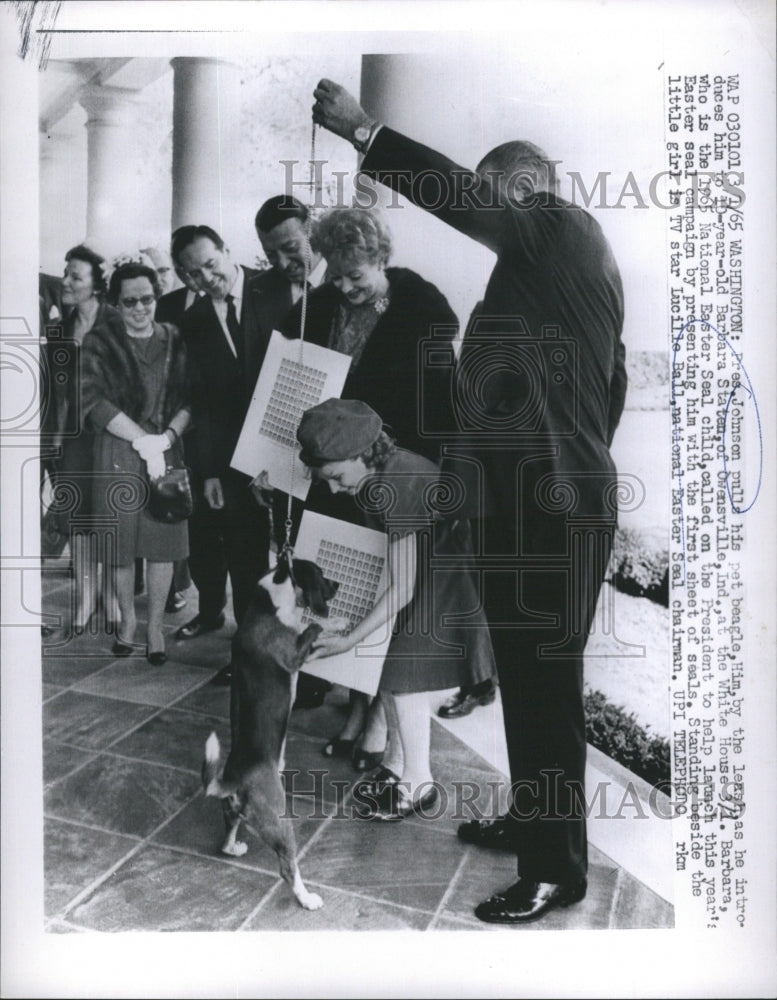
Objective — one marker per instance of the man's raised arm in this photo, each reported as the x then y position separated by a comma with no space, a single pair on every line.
425,177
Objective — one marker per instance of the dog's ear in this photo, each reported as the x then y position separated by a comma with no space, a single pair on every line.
316,588
281,572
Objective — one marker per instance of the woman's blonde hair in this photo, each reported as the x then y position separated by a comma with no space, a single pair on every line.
352,233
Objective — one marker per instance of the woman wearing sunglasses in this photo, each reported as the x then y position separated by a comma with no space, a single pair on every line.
136,399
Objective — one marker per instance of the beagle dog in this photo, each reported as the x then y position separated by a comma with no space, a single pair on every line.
267,653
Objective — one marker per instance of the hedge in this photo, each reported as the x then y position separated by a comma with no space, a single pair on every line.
639,566
617,733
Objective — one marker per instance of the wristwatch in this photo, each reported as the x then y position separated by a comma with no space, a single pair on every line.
362,135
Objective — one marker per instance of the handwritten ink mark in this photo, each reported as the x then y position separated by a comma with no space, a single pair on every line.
43,13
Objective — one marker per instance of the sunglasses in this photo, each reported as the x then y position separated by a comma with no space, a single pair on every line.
144,300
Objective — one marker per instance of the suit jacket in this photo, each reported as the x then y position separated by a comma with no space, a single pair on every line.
171,307
541,378
393,375
270,301
221,383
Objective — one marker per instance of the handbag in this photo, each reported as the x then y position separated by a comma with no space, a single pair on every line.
170,496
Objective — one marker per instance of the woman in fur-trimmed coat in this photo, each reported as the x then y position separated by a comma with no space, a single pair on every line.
125,377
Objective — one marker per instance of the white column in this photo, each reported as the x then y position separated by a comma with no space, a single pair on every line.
423,97
206,108
114,195
63,173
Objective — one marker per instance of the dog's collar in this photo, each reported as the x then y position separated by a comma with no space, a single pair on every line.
287,554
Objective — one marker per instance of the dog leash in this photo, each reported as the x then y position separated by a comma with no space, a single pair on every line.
287,552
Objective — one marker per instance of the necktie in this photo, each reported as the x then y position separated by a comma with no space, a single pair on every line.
234,326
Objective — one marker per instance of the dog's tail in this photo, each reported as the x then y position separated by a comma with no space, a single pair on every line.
211,779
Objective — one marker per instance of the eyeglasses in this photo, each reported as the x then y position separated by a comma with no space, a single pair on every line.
144,300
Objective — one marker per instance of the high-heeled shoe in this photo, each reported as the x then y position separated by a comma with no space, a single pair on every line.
121,648
338,748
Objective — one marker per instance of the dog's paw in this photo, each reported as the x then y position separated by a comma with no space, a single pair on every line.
310,900
235,850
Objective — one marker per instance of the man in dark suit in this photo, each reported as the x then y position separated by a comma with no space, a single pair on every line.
282,227
170,308
226,345
540,388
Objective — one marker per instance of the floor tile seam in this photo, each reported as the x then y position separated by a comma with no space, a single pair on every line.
108,697
623,870
612,921
222,859
130,732
95,884
356,894
199,711
452,884
351,893
144,842
315,836
467,923
55,695
131,701
486,764
121,833
75,685
195,772
367,898
443,831
61,922
94,827
185,711
48,785
122,736
272,891
644,886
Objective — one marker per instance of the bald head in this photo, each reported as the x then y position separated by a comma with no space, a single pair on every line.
520,169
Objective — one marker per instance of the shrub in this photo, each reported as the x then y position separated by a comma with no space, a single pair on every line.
639,565
617,733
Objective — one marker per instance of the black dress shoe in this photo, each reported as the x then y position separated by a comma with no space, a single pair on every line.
157,659
497,834
224,677
199,627
527,900
464,702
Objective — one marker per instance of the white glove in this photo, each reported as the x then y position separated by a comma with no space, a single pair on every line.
261,489
151,444
156,466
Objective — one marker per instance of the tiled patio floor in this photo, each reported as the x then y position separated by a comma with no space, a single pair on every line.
132,844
